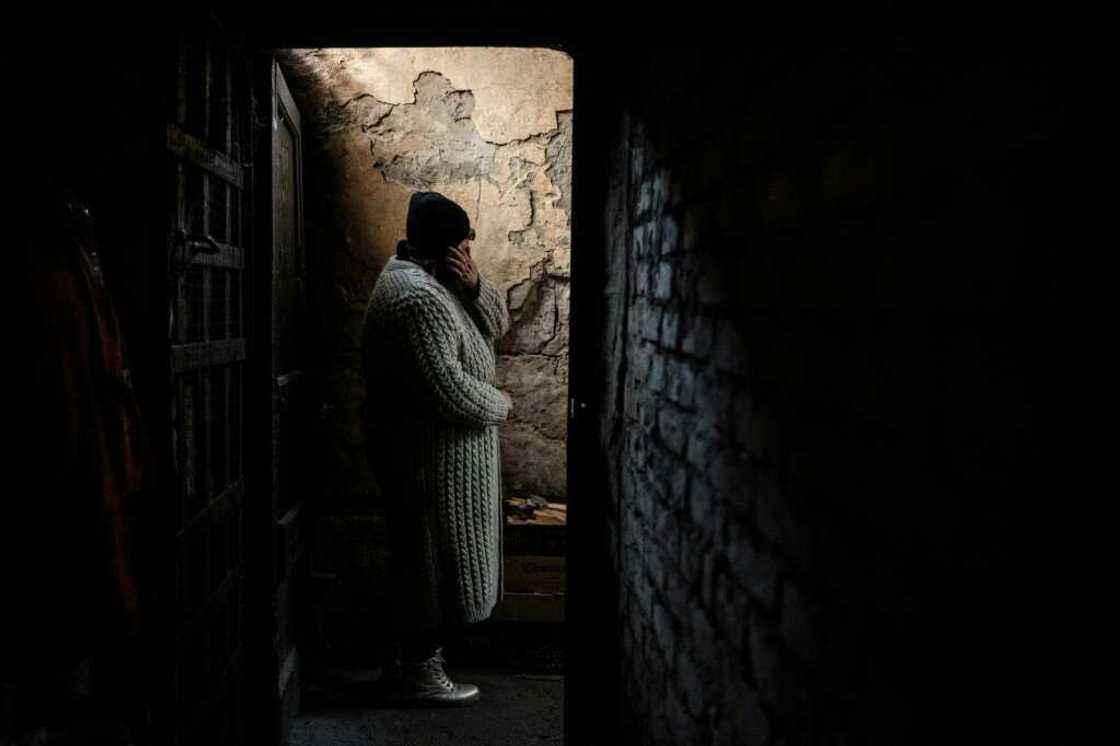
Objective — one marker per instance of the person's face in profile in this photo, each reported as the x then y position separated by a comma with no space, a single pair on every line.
465,244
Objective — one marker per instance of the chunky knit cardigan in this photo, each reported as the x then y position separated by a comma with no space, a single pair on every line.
432,416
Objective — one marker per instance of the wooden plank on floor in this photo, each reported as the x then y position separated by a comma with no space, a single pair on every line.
534,574
530,607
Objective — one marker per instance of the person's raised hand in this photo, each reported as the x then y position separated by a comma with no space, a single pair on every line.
461,264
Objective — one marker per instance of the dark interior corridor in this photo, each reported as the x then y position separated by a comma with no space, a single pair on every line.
818,375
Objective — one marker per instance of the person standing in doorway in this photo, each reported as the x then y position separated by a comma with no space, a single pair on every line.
432,435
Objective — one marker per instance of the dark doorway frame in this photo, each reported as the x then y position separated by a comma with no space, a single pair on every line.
590,680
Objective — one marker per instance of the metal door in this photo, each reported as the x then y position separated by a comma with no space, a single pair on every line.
207,138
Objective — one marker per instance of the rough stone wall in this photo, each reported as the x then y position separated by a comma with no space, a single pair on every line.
830,328
489,128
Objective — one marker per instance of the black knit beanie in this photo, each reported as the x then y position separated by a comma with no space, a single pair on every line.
434,223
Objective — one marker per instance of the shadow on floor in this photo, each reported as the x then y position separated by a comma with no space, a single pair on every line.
519,673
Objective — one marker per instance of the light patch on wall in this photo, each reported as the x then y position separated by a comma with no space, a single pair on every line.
517,91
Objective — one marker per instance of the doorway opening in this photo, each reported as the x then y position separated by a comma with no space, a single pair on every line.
491,129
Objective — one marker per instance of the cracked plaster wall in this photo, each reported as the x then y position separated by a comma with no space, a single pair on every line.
489,128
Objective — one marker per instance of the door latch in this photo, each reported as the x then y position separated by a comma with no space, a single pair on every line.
574,406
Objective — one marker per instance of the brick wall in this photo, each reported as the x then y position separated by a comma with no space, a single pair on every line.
829,332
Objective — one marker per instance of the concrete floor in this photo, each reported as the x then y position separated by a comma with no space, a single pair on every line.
514,709
519,673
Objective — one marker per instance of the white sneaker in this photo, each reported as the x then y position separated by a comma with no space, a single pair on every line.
425,683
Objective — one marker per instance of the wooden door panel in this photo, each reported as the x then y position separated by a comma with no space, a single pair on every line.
291,402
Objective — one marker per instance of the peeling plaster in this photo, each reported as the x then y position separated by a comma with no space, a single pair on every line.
517,91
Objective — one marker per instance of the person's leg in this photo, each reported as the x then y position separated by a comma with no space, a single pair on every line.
420,644
416,642
453,634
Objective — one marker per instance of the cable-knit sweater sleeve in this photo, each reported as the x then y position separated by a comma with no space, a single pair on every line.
429,337
489,310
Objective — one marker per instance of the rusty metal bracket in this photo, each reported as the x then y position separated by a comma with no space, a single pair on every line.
198,243
189,246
